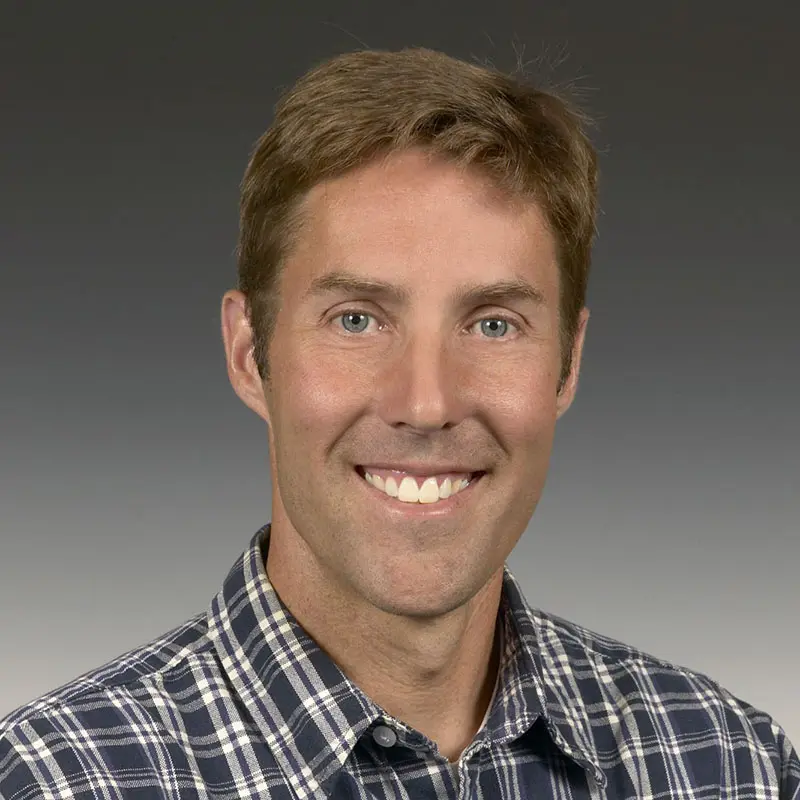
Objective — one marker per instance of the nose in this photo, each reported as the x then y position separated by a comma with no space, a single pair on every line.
423,386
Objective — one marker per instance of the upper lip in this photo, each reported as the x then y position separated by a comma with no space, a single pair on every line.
422,469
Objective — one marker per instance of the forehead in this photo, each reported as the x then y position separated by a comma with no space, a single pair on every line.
410,217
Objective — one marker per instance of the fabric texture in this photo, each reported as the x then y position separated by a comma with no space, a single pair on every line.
240,702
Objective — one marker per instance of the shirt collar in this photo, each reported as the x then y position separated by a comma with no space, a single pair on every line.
541,656
311,715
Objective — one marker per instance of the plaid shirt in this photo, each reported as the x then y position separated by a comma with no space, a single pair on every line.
241,703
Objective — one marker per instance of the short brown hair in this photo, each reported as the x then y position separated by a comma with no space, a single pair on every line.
353,108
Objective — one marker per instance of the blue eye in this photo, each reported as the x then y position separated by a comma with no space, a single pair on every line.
358,317
355,321
502,327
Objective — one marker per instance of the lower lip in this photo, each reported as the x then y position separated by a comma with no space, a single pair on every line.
440,508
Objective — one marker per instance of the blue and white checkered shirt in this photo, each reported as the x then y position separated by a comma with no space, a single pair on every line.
241,703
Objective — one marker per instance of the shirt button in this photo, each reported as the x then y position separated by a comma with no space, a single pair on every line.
384,736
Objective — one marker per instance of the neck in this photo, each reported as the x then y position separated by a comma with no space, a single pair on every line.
436,675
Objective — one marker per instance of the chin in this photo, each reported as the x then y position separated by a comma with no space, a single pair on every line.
423,592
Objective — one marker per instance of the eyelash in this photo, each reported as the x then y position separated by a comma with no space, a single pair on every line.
502,317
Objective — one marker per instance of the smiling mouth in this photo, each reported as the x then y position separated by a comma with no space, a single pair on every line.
412,491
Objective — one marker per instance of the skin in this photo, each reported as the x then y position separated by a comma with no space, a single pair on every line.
407,609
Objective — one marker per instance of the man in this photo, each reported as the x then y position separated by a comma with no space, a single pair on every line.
415,245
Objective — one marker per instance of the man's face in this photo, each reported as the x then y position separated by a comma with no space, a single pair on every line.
427,383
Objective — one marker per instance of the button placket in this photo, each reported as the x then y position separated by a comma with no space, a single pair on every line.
384,736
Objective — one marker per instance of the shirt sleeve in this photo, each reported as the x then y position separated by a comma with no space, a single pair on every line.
790,769
782,753
18,776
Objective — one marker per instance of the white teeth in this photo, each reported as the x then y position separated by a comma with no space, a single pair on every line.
409,492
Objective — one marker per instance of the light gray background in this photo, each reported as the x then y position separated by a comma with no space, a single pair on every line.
132,477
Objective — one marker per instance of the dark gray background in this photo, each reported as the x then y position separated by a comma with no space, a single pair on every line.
132,477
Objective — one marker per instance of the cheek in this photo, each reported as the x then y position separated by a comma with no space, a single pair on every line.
527,423
524,421
523,393
315,391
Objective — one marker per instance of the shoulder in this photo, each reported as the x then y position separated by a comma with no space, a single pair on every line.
642,697
61,740
131,672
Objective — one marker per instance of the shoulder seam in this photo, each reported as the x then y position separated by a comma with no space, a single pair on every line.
60,698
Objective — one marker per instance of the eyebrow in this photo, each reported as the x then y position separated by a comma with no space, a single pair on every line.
510,290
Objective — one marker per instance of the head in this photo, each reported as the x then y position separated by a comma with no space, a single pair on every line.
439,178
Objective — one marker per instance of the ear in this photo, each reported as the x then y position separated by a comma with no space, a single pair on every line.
567,393
237,336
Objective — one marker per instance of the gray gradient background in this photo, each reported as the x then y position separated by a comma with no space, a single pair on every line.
132,476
